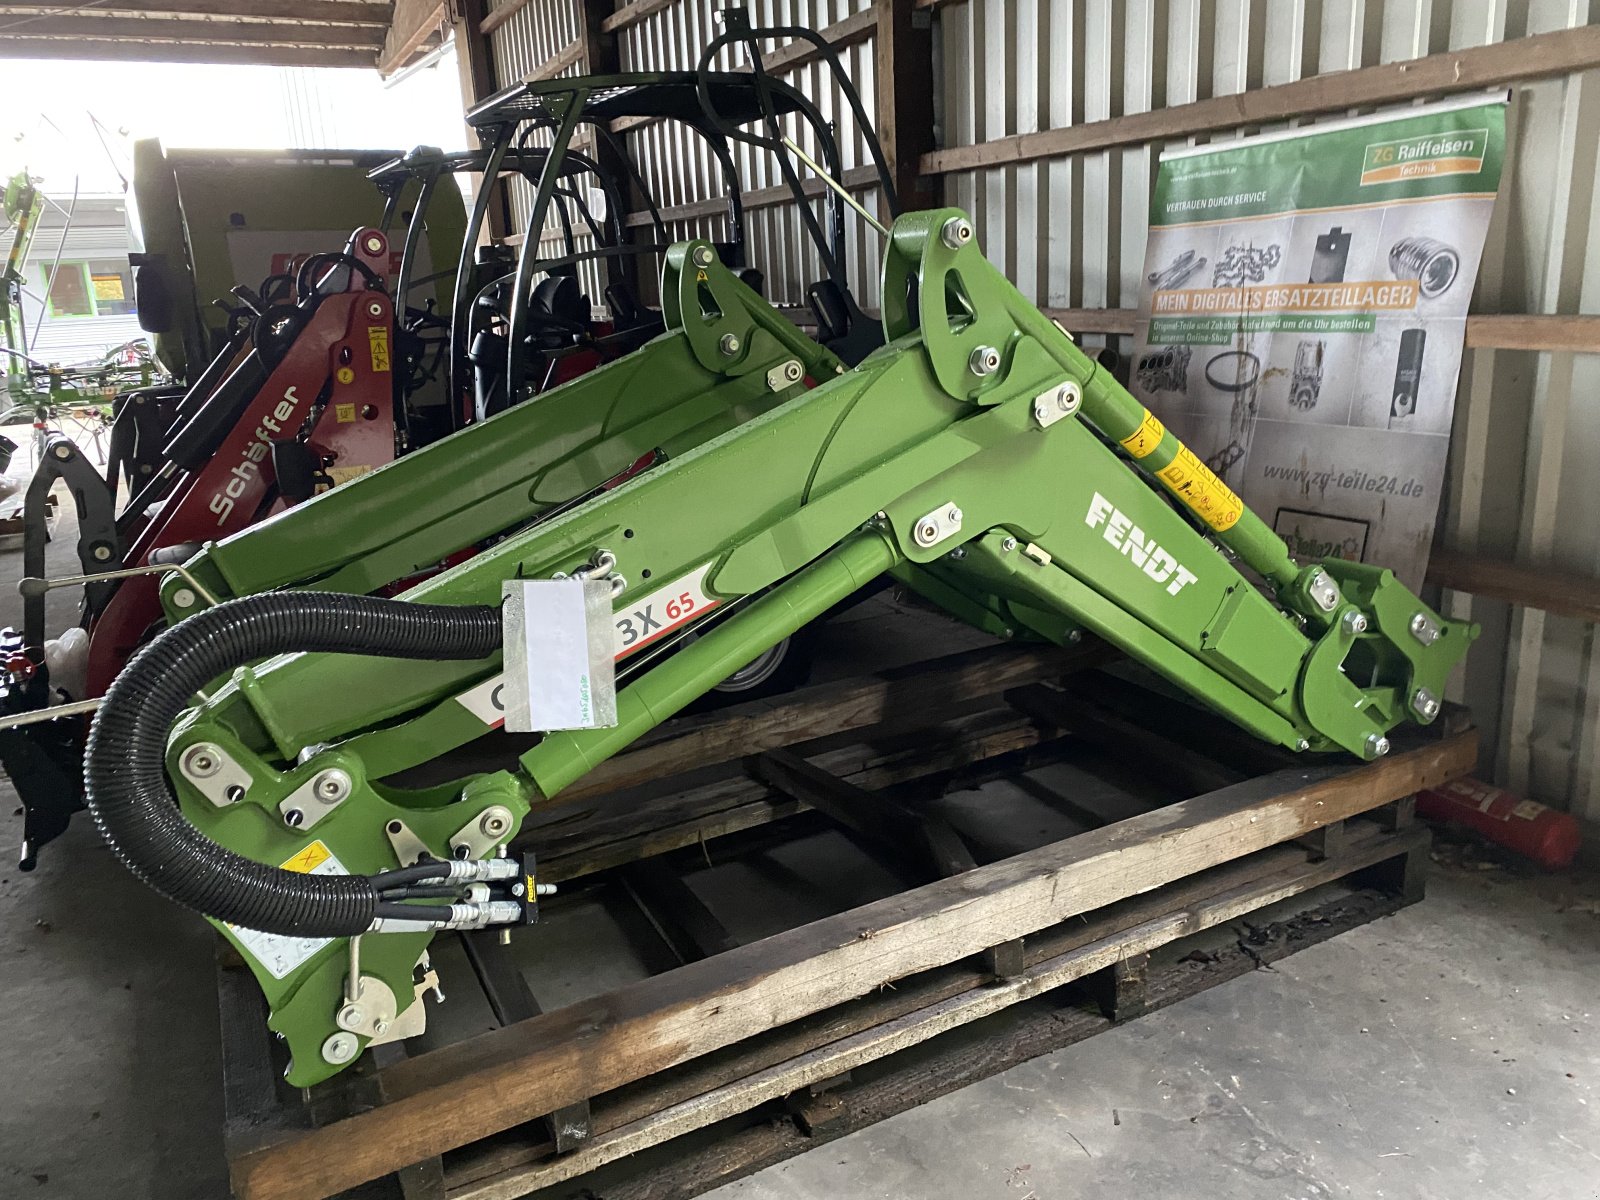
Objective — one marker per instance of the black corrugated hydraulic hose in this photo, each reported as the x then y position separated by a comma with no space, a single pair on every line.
124,769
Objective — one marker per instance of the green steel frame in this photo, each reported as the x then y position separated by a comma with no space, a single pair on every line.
981,457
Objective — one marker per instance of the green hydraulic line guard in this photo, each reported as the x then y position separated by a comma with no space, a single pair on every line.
563,758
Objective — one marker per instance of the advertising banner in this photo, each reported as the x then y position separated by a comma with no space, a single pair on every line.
1304,313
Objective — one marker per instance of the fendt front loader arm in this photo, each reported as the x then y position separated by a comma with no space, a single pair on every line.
727,356
980,456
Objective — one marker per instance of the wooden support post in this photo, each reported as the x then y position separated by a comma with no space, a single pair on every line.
1327,842
918,842
423,1180
475,70
474,59
511,1002
1397,814
904,72
685,924
1405,877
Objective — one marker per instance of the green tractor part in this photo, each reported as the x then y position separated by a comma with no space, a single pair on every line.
980,456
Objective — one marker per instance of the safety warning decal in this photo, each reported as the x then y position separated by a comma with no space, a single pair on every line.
278,954
378,339
1146,438
1191,481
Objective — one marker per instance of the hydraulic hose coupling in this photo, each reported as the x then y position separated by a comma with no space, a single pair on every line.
125,779
456,916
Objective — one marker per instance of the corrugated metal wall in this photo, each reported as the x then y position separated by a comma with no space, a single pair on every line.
1070,231
679,170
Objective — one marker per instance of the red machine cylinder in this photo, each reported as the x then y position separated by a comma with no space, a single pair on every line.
1546,835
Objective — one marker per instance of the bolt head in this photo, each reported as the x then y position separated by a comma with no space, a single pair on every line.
374,244
730,344
1377,745
956,232
62,452
380,1028
985,360
1354,622
350,1014
340,1048
101,553
1425,704
183,598
1009,544
1302,744
202,761
1074,637
953,515
703,256
331,786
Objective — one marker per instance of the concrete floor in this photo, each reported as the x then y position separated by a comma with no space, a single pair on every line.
1451,1050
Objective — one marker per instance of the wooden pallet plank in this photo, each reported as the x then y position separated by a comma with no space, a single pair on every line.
834,708
463,1092
918,1078
1124,954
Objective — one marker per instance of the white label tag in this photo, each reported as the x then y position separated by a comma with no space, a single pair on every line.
278,954
636,624
559,672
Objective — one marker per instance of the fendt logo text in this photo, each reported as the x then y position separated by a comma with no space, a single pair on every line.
1142,551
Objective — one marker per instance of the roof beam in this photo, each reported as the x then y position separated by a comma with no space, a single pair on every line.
415,21
201,32
346,12
119,50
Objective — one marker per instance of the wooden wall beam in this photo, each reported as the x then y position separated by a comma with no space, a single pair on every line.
414,23
493,21
1570,333
632,14
122,50
1540,57
230,31
563,58
1564,593
855,179
357,12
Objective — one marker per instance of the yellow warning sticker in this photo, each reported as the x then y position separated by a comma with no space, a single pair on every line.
701,277
378,339
1191,481
346,474
308,860
345,375
344,413
1146,438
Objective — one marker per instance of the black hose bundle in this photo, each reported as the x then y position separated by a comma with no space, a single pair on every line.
124,772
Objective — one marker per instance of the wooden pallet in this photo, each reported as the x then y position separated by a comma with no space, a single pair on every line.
732,1053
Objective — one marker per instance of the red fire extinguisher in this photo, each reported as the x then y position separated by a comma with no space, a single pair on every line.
1546,835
